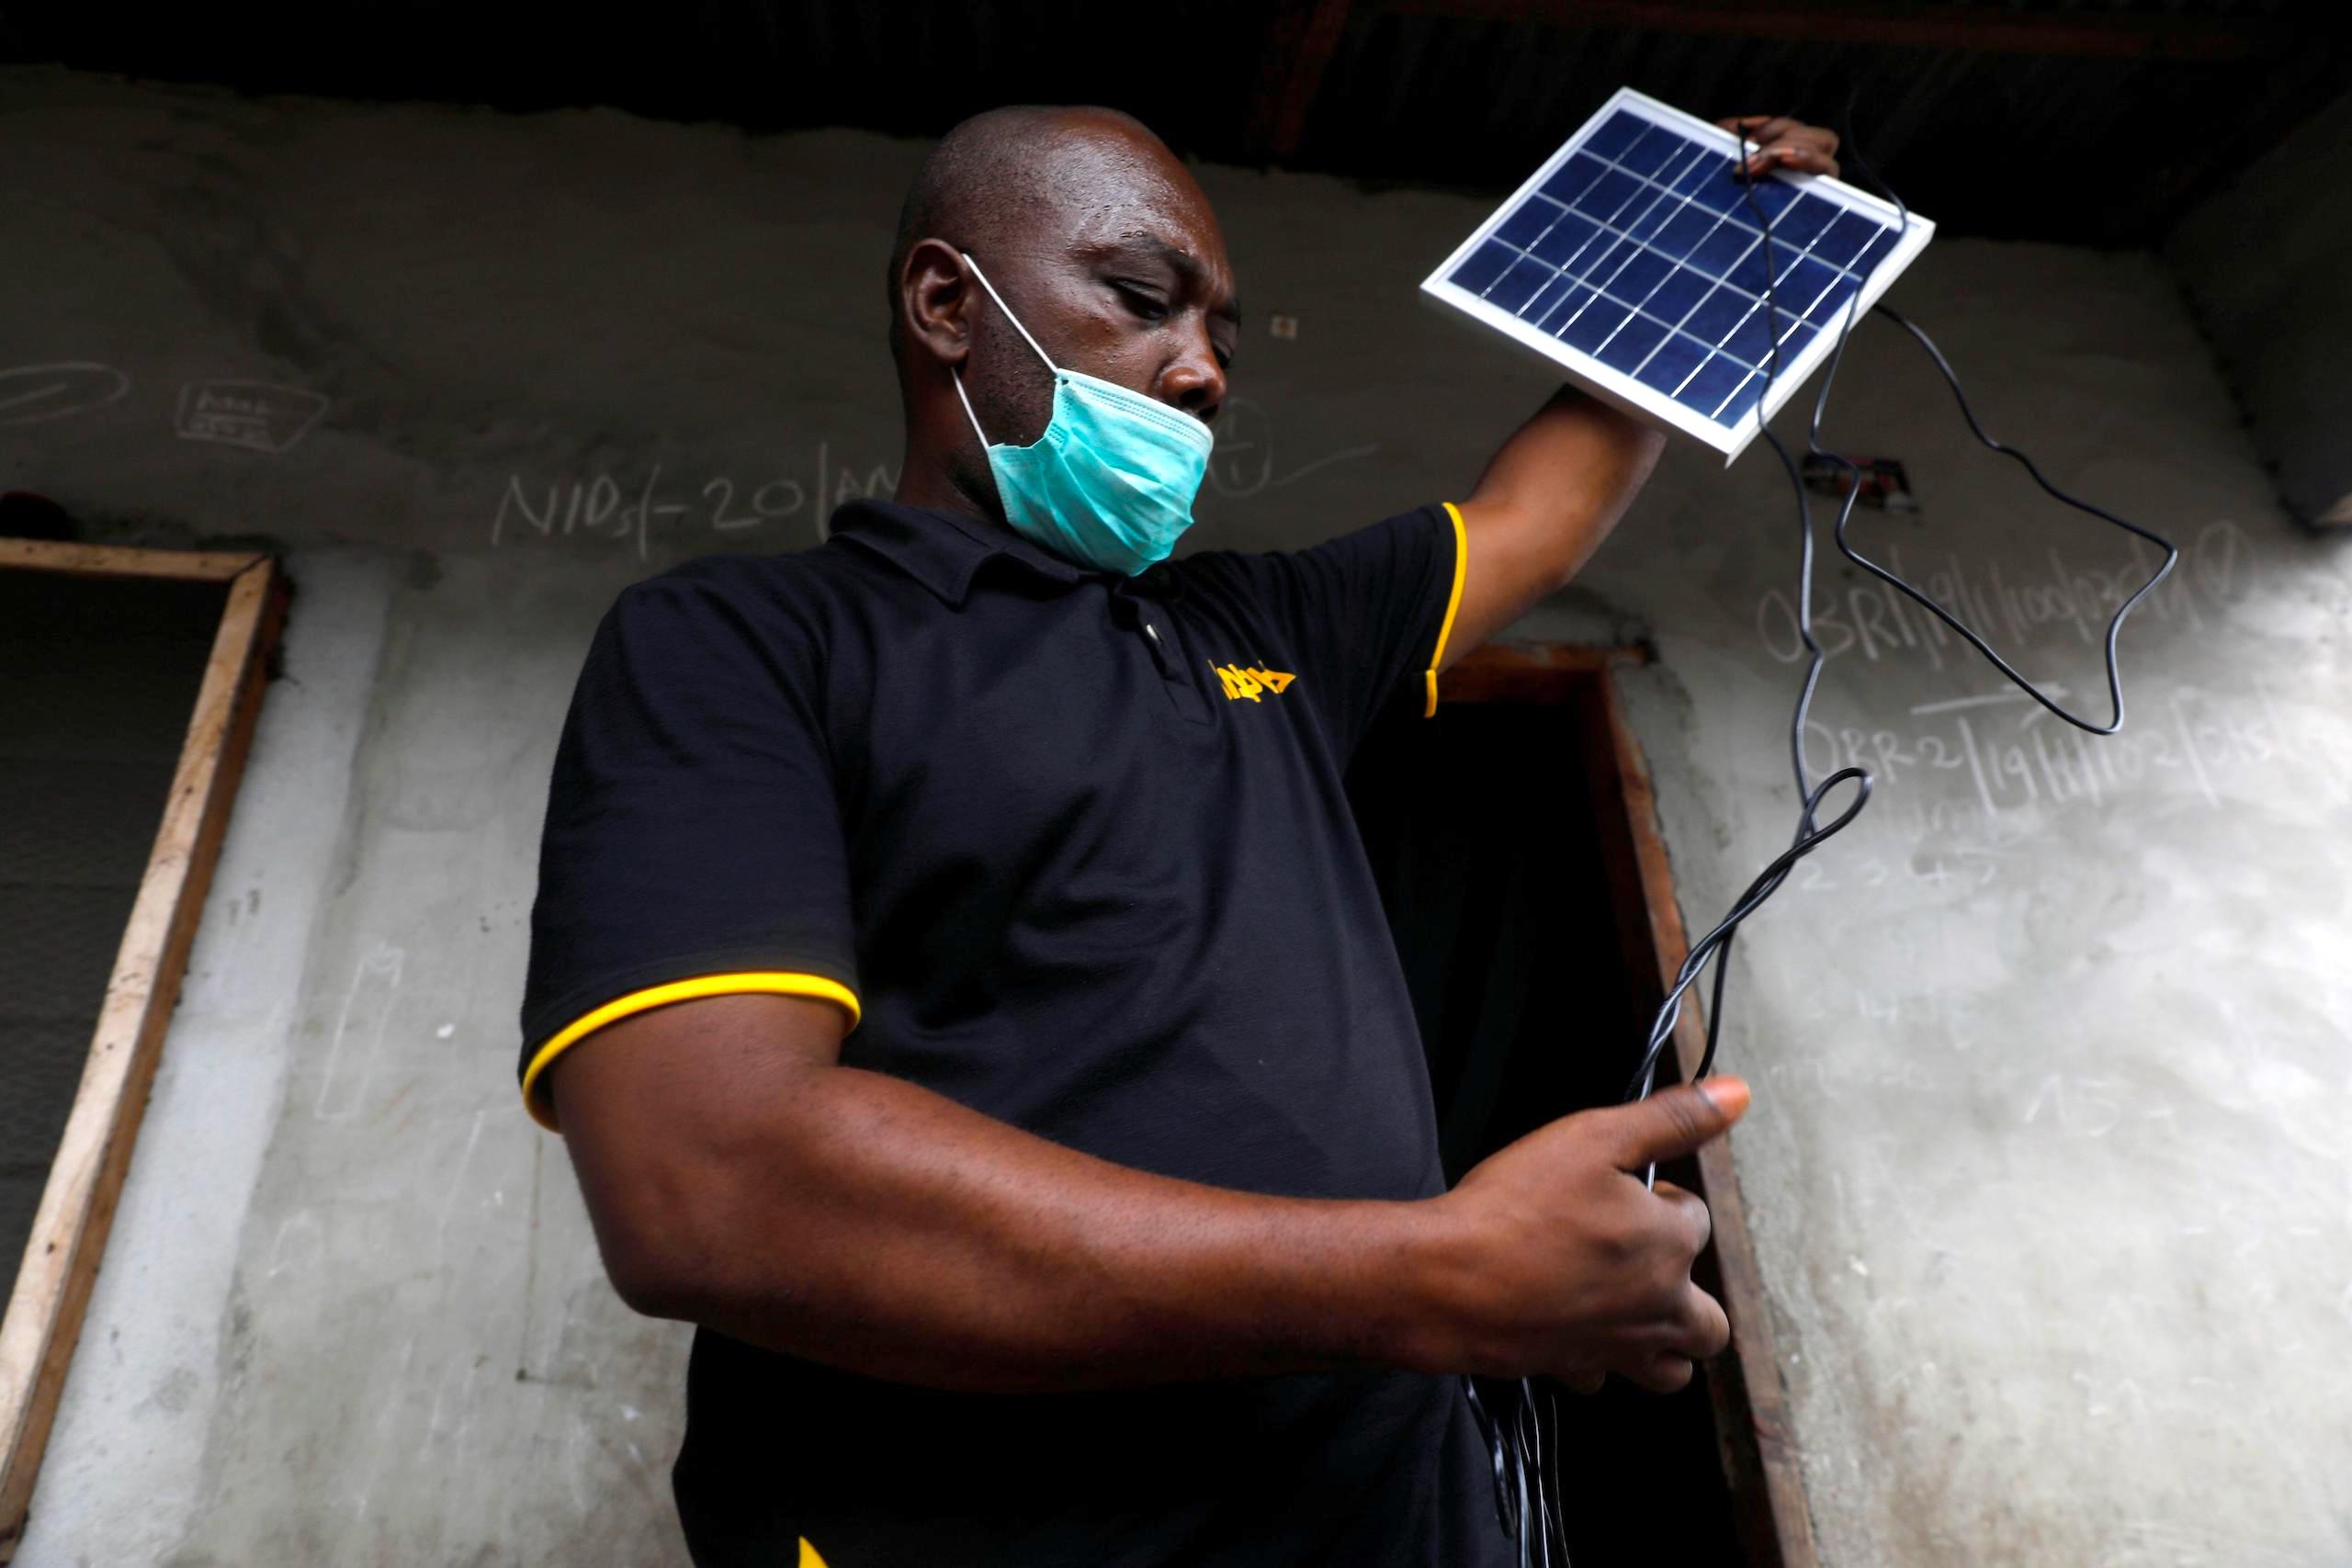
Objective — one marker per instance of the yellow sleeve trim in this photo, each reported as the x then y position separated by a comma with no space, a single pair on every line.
1453,603
773,983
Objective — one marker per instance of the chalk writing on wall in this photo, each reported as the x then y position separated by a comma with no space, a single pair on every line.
1246,460
31,394
259,416
1967,787
2198,736
357,1048
657,504
2005,607
1969,781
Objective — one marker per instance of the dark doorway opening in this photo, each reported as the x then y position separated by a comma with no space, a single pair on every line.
1518,856
97,678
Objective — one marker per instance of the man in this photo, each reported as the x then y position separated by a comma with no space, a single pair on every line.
959,982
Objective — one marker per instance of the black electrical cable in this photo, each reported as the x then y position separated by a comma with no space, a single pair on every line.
1516,1447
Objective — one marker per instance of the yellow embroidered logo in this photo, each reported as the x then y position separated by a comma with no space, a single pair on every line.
1241,683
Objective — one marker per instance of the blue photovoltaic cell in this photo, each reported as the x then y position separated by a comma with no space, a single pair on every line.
1643,251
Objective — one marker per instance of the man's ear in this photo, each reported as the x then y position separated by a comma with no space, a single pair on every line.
934,295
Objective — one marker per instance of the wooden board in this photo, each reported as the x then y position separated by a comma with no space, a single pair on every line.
125,560
43,1318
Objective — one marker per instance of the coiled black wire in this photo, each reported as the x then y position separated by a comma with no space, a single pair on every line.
1527,1469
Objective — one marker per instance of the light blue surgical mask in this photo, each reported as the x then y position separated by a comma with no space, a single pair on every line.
1110,484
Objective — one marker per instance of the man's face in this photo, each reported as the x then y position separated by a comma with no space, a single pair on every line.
1122,274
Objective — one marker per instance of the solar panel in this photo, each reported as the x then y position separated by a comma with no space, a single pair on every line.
1633,260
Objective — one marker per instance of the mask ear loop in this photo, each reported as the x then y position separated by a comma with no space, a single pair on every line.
957,375
1008,313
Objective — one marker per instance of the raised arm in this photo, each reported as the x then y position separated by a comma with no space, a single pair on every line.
1542,506
740,1178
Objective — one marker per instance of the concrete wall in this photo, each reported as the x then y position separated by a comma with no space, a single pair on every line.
2266,264
2051,1187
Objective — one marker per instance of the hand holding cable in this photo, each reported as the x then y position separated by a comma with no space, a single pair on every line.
1570,1267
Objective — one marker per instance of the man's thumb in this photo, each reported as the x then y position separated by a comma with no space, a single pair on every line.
1676,1122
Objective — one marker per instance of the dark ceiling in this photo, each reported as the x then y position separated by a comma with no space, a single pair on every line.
2093,121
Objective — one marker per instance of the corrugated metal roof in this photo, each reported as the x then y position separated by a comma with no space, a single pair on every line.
2085,121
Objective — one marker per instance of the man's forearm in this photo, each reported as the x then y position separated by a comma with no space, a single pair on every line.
1546,500
740,1178
1572,468
877,1227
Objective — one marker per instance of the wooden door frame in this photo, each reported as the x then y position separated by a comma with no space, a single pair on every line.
43,1318
1755,1437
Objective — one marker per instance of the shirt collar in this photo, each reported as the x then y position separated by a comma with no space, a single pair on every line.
942,550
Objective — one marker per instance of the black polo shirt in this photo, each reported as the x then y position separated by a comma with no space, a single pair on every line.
1072,849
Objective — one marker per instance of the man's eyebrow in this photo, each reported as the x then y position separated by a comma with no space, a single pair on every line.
1143,242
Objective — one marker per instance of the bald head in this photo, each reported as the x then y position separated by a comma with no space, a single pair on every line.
1102,245
1027,171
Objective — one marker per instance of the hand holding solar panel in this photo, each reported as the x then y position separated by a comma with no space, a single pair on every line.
1633,260
1784,141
